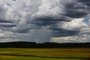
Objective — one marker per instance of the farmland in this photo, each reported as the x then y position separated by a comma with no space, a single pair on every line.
44,53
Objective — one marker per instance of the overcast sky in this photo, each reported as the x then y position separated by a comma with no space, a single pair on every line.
45,21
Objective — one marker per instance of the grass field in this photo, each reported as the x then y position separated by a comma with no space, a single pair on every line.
44,53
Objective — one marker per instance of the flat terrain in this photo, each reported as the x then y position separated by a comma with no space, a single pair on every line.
44,53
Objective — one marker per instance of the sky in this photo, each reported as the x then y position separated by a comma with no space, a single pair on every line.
40,21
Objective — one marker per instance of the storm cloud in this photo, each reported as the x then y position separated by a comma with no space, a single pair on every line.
27,19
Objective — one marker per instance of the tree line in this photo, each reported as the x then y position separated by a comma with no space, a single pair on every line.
42,45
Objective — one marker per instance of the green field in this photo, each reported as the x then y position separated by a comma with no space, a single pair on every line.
44,53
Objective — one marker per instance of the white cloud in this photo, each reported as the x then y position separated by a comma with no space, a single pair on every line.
50,8
75,24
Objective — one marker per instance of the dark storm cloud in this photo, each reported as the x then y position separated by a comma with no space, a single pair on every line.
21,31
86,2
48,21
75,14
7,25
77,10
63,32
44,21
5,21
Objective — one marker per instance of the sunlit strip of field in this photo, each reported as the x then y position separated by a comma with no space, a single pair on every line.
30,58
45,53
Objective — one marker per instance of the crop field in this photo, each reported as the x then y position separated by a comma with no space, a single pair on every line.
44,53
